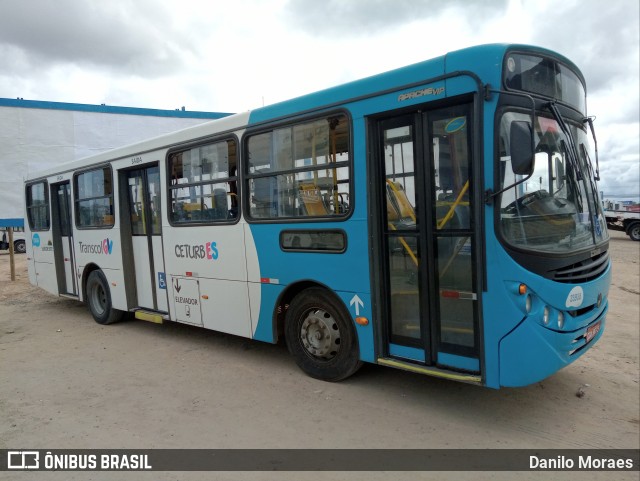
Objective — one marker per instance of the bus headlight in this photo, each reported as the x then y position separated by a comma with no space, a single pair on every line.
545,315
560,320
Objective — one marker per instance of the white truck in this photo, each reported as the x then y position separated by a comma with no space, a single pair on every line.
622,220
19,245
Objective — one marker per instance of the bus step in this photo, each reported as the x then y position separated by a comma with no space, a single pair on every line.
150,316
430,370
69,296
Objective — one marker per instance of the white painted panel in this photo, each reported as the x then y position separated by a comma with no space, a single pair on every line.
255,296
46,277
251,255
214,252
254,286
227,306
186,300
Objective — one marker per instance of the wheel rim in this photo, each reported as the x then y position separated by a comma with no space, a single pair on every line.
635,232
98,299
21,248
320,335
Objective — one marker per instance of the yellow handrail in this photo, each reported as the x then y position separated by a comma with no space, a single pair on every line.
449,215
406,246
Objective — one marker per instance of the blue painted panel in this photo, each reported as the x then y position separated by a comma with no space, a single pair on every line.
269,294
13,222
110,109
459,362
345,274
406,352
531,352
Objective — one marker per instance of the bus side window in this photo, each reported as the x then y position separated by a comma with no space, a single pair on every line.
203,185
300,170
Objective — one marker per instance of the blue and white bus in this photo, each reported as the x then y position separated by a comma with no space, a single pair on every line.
441,218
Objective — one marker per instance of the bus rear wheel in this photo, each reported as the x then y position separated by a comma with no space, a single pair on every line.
99,299
321,337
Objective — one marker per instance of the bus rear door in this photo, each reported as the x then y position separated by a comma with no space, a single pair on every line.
64,252
144,207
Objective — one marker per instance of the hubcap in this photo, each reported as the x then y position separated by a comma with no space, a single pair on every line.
320,335
98,299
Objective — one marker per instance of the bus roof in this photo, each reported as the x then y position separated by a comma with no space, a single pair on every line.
110,109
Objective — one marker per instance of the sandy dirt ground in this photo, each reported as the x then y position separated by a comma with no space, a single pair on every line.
67,382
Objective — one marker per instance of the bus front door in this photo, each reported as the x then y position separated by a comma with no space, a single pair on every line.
146,237
428,296
62,231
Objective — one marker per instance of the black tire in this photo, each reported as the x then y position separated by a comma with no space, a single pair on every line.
99,299
321,337
20,246
634,231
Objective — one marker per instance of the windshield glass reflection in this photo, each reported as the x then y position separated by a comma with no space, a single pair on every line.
557,208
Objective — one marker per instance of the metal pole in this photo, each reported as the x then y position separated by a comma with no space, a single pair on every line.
12,255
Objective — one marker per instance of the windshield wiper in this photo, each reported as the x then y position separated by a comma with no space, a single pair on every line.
589,120
572,151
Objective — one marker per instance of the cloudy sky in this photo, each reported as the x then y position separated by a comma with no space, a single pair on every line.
234,55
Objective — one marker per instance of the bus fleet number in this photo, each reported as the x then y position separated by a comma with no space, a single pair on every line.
136,160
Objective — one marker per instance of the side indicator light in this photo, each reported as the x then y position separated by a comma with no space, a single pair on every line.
205,297
362,321
113,284
522,289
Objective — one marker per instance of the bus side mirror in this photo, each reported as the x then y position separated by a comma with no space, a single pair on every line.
521,144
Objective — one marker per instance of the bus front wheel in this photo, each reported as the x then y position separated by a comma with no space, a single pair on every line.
99,299
321,337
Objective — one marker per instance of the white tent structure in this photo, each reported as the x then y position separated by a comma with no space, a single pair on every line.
37,135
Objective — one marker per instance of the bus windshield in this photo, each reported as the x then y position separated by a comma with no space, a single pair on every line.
557,209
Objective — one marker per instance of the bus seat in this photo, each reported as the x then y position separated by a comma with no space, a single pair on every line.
399,200
311,198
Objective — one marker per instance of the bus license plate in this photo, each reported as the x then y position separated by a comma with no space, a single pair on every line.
592,331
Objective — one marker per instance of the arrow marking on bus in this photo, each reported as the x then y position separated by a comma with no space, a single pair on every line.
177,286
358,303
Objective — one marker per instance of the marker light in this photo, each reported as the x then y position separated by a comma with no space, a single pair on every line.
545,315
363,321
560,320
522,289
527,304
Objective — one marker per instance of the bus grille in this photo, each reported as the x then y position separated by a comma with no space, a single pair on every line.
583,271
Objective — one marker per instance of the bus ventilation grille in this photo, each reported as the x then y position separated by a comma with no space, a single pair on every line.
583,271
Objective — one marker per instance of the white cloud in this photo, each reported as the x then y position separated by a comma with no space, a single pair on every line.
232,56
